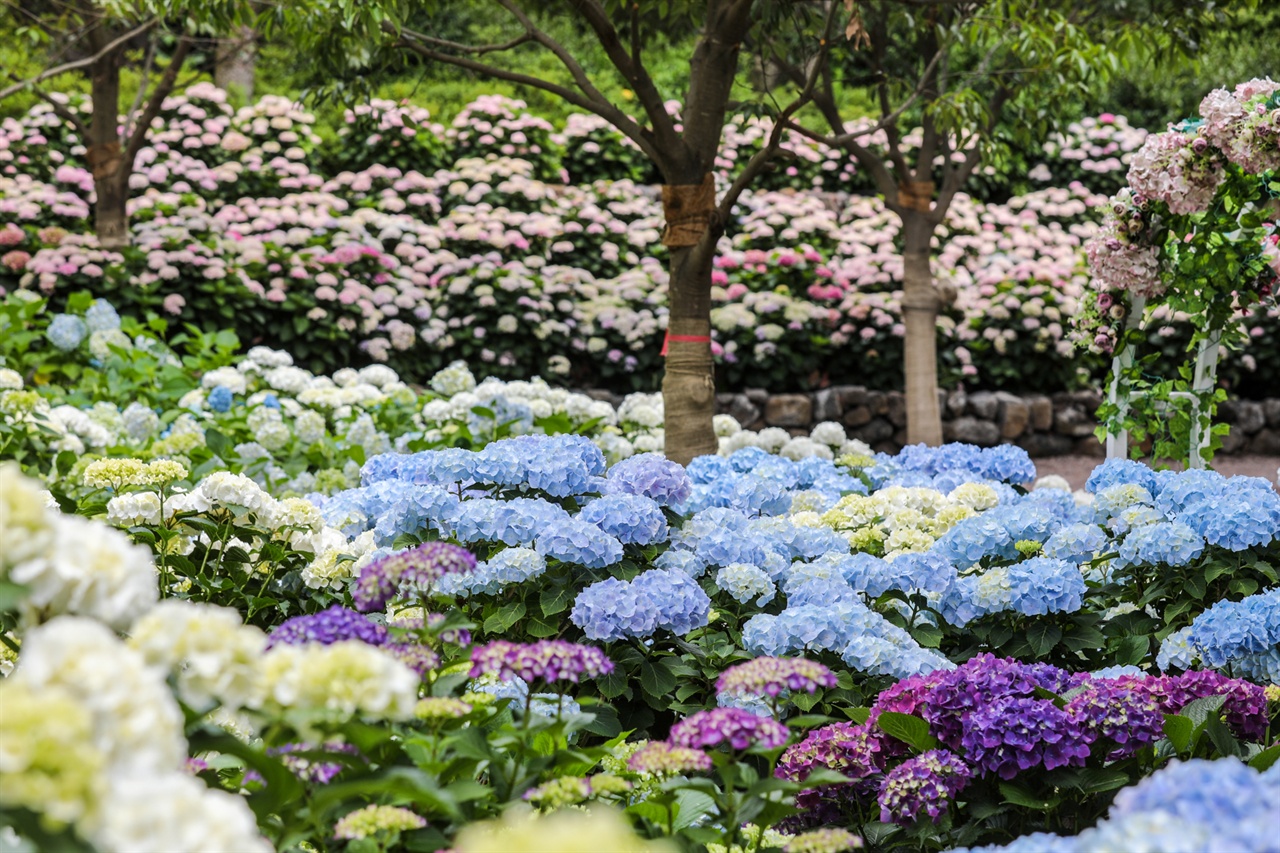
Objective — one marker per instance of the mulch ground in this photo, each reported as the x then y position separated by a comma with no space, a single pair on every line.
1077,468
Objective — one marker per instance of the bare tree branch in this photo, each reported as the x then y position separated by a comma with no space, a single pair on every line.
476,50
87,61
575,69
137,138
59,109
143,82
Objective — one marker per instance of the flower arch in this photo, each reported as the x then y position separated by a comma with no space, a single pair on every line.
1194,232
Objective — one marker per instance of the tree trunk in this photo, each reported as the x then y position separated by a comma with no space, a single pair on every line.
920,304
104,154
236,61
688,386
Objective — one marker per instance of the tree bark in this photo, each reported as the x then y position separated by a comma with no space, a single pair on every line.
236,62
920,304
104,154
688,385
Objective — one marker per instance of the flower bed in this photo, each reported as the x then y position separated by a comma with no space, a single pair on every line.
257,607
384,249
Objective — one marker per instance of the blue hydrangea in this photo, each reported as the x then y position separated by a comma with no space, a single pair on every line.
559,465
634,519
1115,472
929,571
484,420
681,560
1176,651
1032,587
777,470
1171,542
512,522
507,567
271,401
220,398
744,582
1246,519
747,492
707,469
1077,543
517,690
570,540
101,316
66,331
1232,630
651,475
397,508
655,600
722,547
1007,463
748,458
1118,671
976,537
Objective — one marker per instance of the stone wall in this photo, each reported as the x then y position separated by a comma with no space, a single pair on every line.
1045,425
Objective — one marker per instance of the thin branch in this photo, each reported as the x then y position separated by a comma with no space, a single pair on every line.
955,178
561,53
476,50
167,81
59,109
147,65
409,40
762,157
87,61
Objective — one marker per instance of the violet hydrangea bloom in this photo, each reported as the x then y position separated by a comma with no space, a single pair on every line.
1128,718
651,475
414,571
925,784
770,676
545,660
856,751
733,726
1016,733
327,627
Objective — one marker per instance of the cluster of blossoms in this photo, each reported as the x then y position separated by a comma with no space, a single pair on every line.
1240,636
993,720
409,573
544,660
573,790
1192,805
661,758
653,601
370,820
774,677
735,727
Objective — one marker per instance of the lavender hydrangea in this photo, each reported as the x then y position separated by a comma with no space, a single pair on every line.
329,626
505,568
735,727
571,540
653,476
413,571
544,660
1127,718
925,784
773,677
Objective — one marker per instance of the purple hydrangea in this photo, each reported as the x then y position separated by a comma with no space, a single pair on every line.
651,475
856,751
310,770
925,784
770,676
328,627
733,726
655,600
413,571
661,758
1245,707
419,658
545,660
1015,733
1129,718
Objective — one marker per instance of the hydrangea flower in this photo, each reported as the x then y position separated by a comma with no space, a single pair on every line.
633,519
661,758
372,819
733,726
544,660
744,582
655,600
925,784
333,625
413,571
66,331
773,677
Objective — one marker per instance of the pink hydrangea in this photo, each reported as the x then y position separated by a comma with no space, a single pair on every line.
1181,170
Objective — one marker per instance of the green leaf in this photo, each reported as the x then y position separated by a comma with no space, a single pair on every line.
555,599
506,616
656,678
693,805
1132,650
912,731
1178,729
612,686
1019,796
1265,759
1097,780
1043,636
220,444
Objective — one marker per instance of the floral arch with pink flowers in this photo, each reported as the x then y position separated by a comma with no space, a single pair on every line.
1195,233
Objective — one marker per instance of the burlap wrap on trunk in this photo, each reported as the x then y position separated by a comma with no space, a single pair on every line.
688,210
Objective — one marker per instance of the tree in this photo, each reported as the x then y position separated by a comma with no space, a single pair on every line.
97,38
683,149
972,76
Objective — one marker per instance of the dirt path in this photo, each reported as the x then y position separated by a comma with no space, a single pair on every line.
1077,468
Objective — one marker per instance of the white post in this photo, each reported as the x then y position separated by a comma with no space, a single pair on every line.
1205,376
1118,442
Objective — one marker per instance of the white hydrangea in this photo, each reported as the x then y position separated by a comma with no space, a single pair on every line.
227,377
744,582
1053,481
737,441
174,811
347,678
26,524
772,439
265,357
290,380
379,376
133,508
223,487
454,379
725,426
829,433
10,380
136,723
212,654
801,447
333,565
309,427
87,569
652,442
